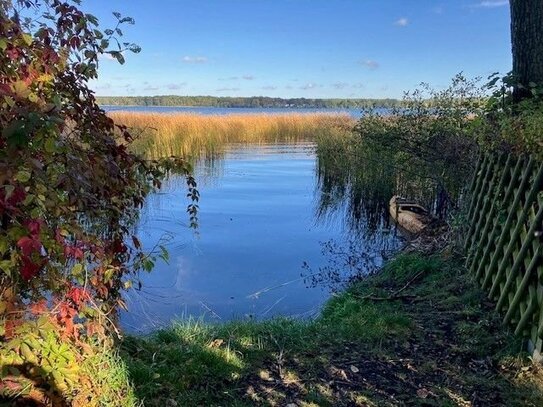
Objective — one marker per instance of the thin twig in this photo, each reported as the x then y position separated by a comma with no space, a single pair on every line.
396,294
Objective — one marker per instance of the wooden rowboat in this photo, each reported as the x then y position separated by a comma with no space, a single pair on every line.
408,214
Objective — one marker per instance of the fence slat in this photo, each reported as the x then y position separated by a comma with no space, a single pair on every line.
500,205
504,252
474,254
505,230
520,224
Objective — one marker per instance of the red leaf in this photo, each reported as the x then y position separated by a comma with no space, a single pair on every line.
29,245
29,269
39,307
78,295
34,226
73,252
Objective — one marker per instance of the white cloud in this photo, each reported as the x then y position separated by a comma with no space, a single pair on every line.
194,59
370,64
401,22
104,86
340,85
150,88
345,85
269,87
309,86
106,56
176,86
248,77
490,4
227,89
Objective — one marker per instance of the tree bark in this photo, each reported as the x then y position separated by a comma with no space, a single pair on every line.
527,45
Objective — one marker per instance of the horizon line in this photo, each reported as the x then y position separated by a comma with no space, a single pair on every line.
249,97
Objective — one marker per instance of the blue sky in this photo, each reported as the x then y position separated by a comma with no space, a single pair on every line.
302,48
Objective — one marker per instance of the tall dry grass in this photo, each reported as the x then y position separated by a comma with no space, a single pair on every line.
186,134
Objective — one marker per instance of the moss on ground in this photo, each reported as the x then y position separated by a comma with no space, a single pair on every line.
418,333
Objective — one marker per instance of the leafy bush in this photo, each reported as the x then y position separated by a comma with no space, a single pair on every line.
69,191
427,143
431,143
510,125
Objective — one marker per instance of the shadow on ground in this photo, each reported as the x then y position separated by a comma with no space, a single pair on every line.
419,333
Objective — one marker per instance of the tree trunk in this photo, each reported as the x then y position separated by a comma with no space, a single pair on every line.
527,45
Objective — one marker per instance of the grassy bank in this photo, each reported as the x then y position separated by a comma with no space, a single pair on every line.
193,134
418,333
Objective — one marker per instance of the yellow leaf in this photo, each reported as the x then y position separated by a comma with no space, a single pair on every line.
44,78
27,38
33,97
9,100
20,89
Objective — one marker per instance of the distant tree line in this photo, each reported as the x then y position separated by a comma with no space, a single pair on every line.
254,101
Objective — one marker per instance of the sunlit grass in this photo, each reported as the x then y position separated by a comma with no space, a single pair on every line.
375,349
183,134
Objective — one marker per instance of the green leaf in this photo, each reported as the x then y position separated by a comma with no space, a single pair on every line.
89,54
29,199
92,19
148,265
164,255
7,266
77,270
4,245
23,176
118,56
50,145
136,49
15,133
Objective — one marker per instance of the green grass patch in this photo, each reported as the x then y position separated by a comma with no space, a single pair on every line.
419,332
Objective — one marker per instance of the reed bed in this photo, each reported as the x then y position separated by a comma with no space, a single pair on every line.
187,134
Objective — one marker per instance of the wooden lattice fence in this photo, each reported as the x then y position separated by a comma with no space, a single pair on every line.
504,242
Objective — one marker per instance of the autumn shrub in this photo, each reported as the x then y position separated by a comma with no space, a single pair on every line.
40,365
69,190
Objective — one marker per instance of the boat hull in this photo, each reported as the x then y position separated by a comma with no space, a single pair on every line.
410,216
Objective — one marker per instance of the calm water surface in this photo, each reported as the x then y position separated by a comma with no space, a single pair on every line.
258,225
355,113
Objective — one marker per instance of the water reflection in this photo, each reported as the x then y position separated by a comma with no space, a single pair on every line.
266,211
353,188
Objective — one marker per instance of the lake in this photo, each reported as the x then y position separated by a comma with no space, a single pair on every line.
261,220
355,113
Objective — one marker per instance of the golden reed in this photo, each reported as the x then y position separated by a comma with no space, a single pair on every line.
187,134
